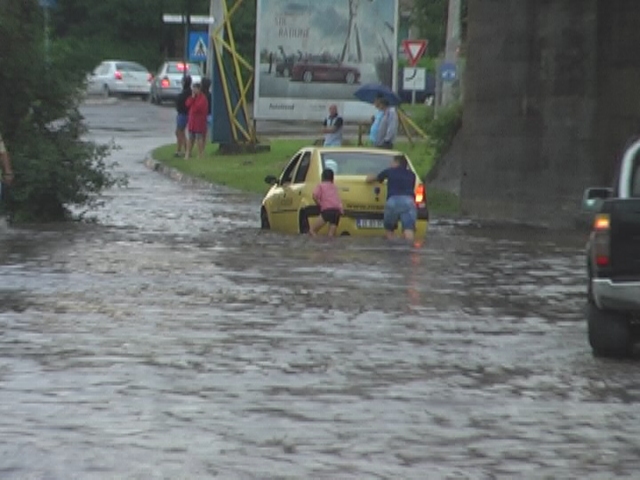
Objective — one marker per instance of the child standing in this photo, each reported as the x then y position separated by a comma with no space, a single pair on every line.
328,199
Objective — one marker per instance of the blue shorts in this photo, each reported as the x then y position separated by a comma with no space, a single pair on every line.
400,208
181,121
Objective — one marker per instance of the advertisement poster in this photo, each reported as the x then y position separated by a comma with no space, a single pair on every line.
312,53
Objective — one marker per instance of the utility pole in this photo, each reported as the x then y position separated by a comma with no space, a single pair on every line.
452,46
187,27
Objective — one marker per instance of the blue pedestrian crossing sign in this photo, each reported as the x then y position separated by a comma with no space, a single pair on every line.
198,46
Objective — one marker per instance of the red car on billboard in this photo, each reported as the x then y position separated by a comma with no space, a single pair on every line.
324,69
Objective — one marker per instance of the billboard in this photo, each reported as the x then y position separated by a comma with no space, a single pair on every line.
311,53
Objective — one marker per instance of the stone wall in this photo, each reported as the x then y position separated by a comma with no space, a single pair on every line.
552,92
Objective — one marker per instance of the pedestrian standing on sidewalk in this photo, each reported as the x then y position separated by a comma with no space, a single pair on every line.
182,116
206,91
197,123
388,129
332,128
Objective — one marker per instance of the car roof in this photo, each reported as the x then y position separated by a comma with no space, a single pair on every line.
374,151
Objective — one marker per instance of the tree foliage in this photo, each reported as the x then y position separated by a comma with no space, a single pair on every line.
94,30
55,167
430,17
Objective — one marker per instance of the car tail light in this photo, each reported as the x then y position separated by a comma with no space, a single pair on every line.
118,75
165,83
182,67
420,195
601,240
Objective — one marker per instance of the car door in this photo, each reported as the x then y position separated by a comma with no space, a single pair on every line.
279,204
294,194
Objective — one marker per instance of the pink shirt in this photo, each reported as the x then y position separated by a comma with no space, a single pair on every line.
327,197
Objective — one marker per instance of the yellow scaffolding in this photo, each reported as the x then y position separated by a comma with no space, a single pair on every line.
239,132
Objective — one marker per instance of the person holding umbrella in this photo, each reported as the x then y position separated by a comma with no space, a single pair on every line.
388,126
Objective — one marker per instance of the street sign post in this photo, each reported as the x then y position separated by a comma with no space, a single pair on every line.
414,50
198,46
448,72
193,19
414,79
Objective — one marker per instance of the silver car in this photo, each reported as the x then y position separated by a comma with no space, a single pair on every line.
167,83
120,77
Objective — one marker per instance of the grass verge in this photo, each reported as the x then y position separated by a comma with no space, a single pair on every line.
247,172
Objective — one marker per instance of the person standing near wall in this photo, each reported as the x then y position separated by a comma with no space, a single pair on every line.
7,170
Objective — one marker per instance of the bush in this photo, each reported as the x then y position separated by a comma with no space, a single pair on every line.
55,167
443,128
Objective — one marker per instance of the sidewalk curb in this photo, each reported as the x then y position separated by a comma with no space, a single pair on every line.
189,180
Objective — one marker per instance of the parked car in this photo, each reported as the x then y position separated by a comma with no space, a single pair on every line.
288,206
167,83
324,70
613,260
119,77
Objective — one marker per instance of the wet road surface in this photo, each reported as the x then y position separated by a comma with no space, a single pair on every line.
173,340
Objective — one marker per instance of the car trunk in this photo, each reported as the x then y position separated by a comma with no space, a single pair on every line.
135,78
361,200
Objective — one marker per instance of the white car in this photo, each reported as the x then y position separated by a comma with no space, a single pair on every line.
167,83
120,77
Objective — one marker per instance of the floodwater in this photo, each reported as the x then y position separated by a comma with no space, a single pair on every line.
174,340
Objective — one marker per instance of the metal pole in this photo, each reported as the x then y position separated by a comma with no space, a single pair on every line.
452,45
46,34
186,20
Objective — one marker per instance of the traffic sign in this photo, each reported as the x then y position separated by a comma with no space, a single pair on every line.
198,46
414,79
193,19
448,72
414,50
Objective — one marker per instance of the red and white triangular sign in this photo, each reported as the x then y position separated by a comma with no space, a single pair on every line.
414,50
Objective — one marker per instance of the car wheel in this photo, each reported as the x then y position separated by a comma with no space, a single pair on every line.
264,220
609,332
307,77
285,72
106,93
350,78
303,222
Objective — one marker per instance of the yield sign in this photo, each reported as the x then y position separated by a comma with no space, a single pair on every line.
414,50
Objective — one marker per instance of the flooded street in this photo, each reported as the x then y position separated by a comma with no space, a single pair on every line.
174,340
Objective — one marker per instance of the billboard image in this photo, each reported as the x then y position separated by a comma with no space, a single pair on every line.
311,53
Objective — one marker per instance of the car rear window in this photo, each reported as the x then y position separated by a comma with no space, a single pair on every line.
130,67
192,68
356,163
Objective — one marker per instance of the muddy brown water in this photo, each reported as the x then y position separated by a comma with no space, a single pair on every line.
173,339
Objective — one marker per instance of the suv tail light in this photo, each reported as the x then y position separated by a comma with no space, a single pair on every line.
165,83
117,75
601,240
420,195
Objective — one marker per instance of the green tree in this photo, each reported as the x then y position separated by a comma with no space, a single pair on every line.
431,20
55,167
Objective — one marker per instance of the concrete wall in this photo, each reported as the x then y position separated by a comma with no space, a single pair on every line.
552,92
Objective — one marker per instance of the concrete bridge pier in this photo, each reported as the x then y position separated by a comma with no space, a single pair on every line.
552,93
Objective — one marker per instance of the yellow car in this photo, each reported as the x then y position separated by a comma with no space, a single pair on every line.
288,206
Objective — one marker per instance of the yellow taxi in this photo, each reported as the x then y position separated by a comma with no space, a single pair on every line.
288,206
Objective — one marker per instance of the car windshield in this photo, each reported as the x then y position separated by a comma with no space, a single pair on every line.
192,68
356,163
130,67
